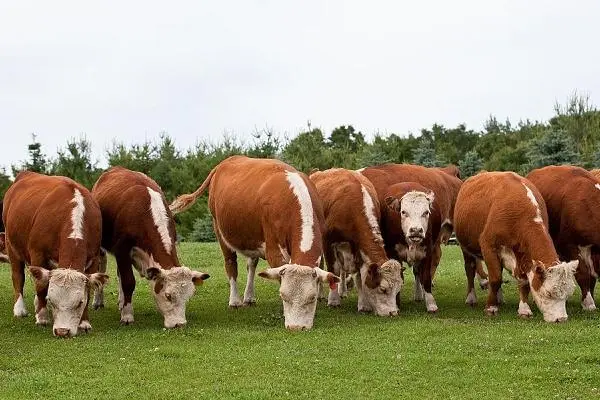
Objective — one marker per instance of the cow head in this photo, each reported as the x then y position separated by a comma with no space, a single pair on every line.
171,288
68,294
551,287
381,284
414,209
299,290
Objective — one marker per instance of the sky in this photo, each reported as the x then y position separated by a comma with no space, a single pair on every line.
126,71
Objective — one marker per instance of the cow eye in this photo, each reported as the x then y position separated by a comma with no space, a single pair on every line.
169,296
383,290
404,213
426,213
80,303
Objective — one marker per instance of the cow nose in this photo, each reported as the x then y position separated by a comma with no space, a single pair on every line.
561,319
61,332
416,231
393,313
296,327
180,324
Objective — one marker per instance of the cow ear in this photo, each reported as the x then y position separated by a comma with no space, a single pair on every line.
572,266
199,277
140,258
97,280
539,274
373,279
154,272
430,197
393,203
273,273
324,276
41,276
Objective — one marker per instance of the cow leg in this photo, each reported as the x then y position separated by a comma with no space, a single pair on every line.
99,292
481,274
584,276
322,295
470,268
494,275
126,286
418,294
425,279
333,266
524,309
18,281
249,298
437,256
41,293
363,305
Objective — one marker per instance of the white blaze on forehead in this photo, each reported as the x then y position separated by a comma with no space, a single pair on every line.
160,218
300,190
369,210
77,215
531,196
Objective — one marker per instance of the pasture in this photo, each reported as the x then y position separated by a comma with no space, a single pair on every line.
247,353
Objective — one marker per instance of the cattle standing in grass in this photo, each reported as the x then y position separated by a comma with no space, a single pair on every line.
434,180
138,229
52,221
264,208
353,242
501,217
572,196
411,226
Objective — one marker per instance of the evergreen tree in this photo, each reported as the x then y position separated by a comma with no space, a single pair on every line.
75,161
552,148
470,165
37,160
425,154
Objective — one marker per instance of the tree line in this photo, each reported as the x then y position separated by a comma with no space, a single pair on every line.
571,136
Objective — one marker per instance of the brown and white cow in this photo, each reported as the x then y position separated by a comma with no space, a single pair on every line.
434,180
138,229
572,196
353,242
52,221
411,227
502,218
264,208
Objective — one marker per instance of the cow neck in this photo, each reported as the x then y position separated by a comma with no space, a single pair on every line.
538,246
310,258
166,261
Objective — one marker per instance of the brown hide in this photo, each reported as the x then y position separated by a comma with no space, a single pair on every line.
340,191
572,197
126,217
451,170
252,203
493,210
37,215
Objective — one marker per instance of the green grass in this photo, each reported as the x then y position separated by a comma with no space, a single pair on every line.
247,353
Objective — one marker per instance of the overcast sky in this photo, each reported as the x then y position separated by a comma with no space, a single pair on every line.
127,70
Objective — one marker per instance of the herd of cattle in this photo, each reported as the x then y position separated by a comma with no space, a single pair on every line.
362,224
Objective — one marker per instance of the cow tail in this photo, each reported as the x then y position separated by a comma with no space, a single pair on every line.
185,201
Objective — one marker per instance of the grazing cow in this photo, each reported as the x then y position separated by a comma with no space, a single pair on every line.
52,221
264,208
436,181
572,196
411,226
138,229
353,242
502,218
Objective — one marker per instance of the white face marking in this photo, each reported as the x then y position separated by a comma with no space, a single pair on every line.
161,219
508,258
531,196
382,299
369,210
300,190
19,309
597,186
77,215
414,213
556,287
67,296
585,253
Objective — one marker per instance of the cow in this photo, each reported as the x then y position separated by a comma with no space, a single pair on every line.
54,225
411,225
501,217
138,229
434,180
572,196
353,243
264,208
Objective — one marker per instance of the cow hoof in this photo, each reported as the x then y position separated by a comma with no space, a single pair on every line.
491,311
589,307
334,305
525,315
364,309
236,305
127,320
432,309
85,326
249,303
471,298
98,306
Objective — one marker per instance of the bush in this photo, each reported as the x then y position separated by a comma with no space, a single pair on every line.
202,230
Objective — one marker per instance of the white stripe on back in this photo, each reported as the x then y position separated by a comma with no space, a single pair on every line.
369,210
77,215
161,219
300,190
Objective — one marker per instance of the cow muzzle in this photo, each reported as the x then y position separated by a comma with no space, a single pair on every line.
62,332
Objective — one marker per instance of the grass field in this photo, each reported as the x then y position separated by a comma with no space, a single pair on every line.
247,353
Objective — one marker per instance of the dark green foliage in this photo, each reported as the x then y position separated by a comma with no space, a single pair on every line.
553,147
426,155
75,161
4,184
202,230
470,165
37,160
